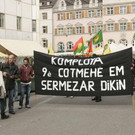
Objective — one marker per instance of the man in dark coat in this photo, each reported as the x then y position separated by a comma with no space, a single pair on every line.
10,73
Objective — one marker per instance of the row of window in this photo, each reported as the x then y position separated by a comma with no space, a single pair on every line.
120,10
93,29
77,3
18,22
70,45
61,46
77,30
122,41
121,26
78,14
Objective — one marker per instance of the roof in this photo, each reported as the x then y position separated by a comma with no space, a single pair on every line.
68,2
20,48
71,2
45,3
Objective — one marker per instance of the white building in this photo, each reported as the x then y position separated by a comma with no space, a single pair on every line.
19,19
46,22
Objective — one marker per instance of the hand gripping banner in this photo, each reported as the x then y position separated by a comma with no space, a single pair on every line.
107,75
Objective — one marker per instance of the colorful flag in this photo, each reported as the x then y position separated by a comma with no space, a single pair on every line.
89,47
98,38
79,46
134,36
107,49
50,50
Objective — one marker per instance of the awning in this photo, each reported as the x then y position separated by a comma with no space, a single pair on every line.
2,55
20,48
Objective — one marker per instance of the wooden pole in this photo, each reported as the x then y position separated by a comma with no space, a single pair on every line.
133,102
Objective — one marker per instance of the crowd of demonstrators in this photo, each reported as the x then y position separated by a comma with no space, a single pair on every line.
8,84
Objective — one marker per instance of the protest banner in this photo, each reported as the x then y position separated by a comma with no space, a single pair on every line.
107,75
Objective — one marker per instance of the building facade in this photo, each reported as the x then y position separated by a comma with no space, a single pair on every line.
46,22
19,19
119,21
74,19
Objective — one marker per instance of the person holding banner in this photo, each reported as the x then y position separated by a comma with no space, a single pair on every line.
96,98
26,72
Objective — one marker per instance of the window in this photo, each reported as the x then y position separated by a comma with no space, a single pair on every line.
45,29
69,46
110,11
61,16
123,26
133,9
70,15
78,30
60,31
77,2
99,27
1,20
34,25
133,42
33,2
133,25
123,9
45,43
98,45
48,3
93,1
69,30
110,27
124,42
92,29
78,15
18,23
61,47
91,13
110,41
62,4
44,16
99,12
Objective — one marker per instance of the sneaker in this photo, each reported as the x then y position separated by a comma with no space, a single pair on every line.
20,107
98,100
27,106
4,116
11,112
71,97
95,98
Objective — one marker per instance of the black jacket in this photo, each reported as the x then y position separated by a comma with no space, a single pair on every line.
10,69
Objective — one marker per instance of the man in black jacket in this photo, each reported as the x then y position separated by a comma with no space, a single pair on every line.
10,73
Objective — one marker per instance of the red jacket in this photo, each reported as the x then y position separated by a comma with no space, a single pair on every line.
25,73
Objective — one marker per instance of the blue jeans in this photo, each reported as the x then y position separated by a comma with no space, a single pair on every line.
16,91
10,94
25,88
